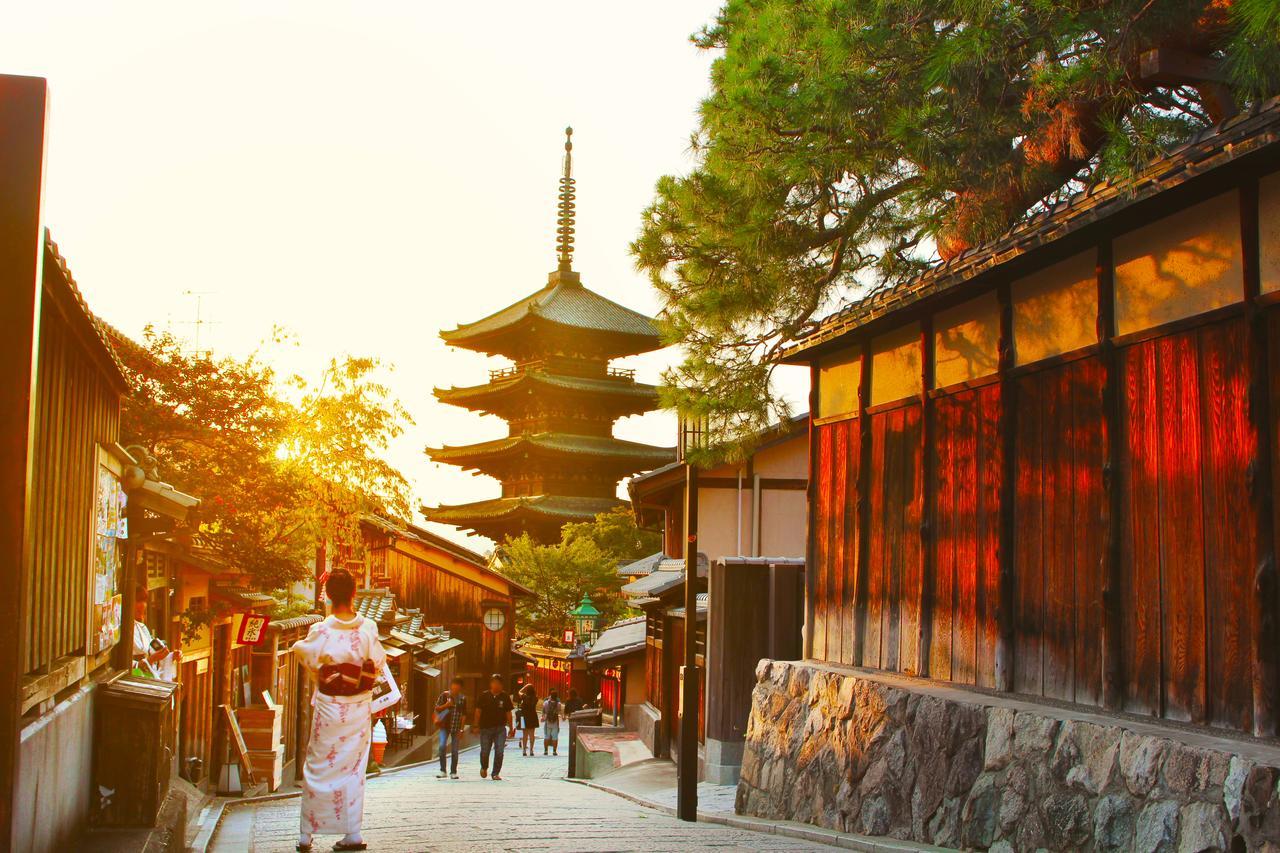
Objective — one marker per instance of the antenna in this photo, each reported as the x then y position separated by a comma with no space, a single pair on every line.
199,322
564,222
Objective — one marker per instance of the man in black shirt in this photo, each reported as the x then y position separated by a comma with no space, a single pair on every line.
494,725
573,704
451,719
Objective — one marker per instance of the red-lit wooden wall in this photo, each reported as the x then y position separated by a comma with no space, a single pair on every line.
1083,525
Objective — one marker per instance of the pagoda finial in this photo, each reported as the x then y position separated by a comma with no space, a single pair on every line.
564,222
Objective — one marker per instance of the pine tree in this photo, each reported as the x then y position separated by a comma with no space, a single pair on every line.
846,145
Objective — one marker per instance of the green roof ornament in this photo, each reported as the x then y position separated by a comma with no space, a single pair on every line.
585,608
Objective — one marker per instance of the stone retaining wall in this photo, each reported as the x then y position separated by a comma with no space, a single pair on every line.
864,753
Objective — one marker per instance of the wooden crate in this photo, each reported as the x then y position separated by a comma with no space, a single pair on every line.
268,766
261,727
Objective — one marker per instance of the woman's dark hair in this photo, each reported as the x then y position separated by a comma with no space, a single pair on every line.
573,694
340,587
555,696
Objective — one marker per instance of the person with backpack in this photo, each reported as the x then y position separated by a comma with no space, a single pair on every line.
551,724
450,718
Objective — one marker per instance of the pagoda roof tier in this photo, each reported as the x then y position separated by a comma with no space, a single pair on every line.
564,304
619,396
633,455
499,517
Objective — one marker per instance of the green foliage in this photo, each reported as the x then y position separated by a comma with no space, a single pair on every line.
585,560
278,466
847,144
616,535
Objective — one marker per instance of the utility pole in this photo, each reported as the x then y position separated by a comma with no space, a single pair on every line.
687,778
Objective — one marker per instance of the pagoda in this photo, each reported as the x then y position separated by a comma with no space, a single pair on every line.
560,461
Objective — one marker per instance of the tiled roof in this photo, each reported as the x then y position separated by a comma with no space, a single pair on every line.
642,566
642,455
295,622
243,596
567,304
667,576
99,329
550,506
375,604
642,394
618,639
704,605
1245,134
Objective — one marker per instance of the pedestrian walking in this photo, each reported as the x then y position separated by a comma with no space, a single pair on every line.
528,718
573,704
344,654
551,724
451,719
494,724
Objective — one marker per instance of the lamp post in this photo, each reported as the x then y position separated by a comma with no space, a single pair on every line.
585,620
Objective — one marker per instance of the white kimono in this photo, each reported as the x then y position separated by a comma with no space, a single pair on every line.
333,775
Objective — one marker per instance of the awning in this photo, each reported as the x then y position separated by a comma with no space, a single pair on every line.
444,645
407,639
426,669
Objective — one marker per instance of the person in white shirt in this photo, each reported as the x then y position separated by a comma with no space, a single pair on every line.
149,651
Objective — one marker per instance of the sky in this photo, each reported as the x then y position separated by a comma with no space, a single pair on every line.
360,174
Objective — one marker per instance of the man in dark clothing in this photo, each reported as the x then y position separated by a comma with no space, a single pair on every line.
494,725
451,719
573,703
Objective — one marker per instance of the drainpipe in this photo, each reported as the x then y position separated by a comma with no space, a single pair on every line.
739,523
755,517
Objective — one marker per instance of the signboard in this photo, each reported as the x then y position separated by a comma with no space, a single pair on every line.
253,628
568,636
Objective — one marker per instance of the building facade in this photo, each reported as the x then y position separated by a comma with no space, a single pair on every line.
1046,469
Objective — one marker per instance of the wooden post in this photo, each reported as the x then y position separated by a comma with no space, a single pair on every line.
928,486
1263,601
1112,495
1005,636
23,106
811,533
864,504
687,771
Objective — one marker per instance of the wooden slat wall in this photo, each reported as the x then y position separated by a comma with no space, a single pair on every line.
966,520
1057,517
77,410
1188,547
1186,451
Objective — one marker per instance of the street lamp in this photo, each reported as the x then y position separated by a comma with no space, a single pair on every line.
585,619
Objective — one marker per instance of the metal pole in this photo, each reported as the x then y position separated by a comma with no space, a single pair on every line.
687,772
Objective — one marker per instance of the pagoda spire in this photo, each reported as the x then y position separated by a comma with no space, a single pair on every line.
565,207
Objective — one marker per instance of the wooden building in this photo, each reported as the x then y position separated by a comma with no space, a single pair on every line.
559,668
63,506
1047,466
560,462
453,587
660,594
751,530
617,658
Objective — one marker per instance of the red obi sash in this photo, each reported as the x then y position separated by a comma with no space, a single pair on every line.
347,679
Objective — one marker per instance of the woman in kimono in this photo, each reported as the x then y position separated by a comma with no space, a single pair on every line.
345,656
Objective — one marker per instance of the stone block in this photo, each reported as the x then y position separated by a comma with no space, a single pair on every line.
1157,828
1204,827
999,744
1140,758
1113,822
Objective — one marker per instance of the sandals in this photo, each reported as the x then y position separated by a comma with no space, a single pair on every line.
302,848
346,845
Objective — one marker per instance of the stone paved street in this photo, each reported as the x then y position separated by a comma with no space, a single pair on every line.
531,809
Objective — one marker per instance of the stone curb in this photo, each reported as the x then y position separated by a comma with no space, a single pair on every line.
786,828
